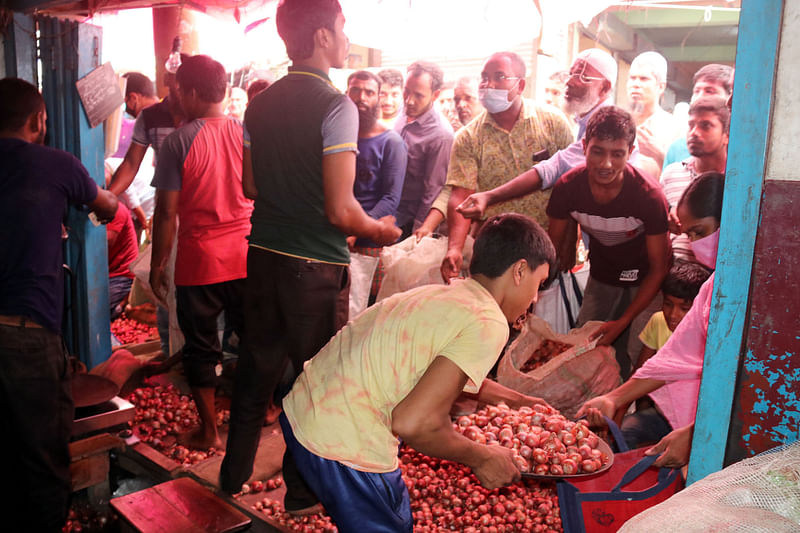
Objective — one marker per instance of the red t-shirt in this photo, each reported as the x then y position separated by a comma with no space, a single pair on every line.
123,249
618,229
203,160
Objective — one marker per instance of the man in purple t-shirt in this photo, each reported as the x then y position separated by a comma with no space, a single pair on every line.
625,214
35,382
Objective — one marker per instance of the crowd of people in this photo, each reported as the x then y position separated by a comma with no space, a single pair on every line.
264,193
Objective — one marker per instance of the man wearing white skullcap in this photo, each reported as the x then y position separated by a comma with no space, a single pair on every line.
591,80
588,90
656,128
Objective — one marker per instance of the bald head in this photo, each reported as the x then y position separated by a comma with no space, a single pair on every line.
517,64
651,62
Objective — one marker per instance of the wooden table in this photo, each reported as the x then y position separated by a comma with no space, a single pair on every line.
178,506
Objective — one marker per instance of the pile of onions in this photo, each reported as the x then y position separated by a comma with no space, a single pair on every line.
545,442
313,523
128,330
259,486
446,496
84,519
161,412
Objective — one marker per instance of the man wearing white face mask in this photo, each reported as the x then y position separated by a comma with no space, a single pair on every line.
500,142
589,87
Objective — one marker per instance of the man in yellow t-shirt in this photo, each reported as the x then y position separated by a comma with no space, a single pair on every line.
393,373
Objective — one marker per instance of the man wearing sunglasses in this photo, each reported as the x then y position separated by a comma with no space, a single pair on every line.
588,88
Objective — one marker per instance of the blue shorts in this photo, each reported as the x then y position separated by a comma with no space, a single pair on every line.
356,501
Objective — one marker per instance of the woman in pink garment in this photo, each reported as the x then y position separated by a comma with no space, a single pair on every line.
672,376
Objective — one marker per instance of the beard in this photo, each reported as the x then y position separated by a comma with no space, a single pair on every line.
579,105
579,100
697,150
368,116
41,136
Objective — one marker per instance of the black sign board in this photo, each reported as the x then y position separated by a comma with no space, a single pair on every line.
100,93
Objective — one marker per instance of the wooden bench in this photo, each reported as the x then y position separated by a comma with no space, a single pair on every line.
178,506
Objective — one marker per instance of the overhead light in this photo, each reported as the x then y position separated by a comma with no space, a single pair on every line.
174,59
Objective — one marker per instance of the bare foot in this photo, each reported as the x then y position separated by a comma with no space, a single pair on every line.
314,509
196,439
159,365
273,412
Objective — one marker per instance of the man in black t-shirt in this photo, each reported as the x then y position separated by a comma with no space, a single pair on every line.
625,215
36,182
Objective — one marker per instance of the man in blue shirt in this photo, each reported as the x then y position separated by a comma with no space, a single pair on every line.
35,381
380,163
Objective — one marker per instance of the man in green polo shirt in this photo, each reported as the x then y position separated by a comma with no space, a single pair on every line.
299,167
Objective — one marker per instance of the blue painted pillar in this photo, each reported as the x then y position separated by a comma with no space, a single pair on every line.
756,53
69,52
19,45
95,340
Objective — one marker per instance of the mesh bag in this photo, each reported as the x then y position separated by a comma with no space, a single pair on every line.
759,494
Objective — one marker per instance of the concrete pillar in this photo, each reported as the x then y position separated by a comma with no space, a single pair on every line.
169,22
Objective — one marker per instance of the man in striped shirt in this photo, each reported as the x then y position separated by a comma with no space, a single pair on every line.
707,140
625,214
